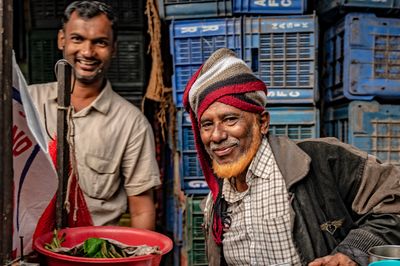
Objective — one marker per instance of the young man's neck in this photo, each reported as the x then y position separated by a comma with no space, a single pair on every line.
84,94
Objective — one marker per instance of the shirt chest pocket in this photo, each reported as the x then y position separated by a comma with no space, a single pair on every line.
100,177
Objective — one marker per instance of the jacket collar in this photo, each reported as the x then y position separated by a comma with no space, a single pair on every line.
292,161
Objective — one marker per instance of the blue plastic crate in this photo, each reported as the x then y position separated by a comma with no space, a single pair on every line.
269,7
170,212
296,122
282,51
191,166
362,58
329,9
370,126
187,143
174,218
193,41
189,9
192,178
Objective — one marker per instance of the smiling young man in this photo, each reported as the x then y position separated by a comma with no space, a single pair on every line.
112,143
276,202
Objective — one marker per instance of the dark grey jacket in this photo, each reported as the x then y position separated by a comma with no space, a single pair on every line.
342,199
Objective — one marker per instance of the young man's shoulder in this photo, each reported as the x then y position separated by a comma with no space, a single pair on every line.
42,92
43,86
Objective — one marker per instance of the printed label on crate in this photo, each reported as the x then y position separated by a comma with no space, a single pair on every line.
205,28
186,119
270,6
273,3
290,26
281,4
298,24
196,184
288,95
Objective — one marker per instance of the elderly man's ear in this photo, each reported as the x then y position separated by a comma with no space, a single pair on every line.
264,121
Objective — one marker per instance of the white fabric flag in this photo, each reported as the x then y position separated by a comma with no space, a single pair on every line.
35,179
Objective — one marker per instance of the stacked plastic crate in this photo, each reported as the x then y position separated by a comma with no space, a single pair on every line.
127,72
197,29
361,66
277,41
282,51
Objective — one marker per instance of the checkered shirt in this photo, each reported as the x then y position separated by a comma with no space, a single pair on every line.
260,229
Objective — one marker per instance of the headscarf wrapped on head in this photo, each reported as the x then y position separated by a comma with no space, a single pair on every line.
227,79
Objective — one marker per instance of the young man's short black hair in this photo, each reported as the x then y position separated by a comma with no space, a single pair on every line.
90,9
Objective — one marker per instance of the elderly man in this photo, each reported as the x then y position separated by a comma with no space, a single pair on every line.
276,202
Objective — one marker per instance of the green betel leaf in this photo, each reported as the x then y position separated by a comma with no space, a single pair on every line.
92,246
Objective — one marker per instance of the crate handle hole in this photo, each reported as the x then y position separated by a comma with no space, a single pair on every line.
383,88
254,59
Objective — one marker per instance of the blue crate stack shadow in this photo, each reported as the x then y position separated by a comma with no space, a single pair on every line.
128,69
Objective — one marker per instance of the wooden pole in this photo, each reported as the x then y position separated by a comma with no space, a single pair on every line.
6,161
63,100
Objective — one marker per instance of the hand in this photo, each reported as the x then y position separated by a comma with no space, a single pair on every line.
339,259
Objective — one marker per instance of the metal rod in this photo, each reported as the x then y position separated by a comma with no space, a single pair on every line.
63,100
6,161
21,242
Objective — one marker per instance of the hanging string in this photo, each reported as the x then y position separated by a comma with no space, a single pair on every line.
156,89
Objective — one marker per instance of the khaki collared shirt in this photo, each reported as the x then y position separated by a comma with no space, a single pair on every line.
114,149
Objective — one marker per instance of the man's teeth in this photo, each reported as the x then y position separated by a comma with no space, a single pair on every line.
87,62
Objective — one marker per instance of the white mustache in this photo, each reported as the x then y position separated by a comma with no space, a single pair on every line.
225,144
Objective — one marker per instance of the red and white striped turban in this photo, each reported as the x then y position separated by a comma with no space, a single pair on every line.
227,79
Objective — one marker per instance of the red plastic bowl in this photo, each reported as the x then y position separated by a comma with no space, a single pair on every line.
126,235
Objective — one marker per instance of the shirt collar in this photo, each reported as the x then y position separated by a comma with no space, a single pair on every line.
265,153
103,102
230,194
